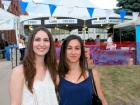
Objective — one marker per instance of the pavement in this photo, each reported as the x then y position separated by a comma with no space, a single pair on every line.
5,70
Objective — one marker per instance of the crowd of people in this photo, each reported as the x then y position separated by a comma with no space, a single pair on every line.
41,80
22,46
108,44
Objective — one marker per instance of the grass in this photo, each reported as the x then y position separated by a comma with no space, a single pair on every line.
121,84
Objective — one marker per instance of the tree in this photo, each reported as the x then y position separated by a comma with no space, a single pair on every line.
128,5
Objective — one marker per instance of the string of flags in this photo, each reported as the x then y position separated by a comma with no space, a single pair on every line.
90,11
122,14
23,5
52,7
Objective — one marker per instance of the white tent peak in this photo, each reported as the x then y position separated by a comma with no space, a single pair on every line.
7,20
77,3
68,8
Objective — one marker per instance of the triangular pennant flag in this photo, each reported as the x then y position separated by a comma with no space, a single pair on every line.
52,8
23,6
135,15
90,11
122,14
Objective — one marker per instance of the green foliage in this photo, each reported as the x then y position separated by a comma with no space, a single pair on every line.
136,7
138,1
131,1
128,5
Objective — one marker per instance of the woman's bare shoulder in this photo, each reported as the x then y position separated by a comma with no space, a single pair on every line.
95,71
17,72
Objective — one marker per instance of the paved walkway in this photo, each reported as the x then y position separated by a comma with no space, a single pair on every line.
5,70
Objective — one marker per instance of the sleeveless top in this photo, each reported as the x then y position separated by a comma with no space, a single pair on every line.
43,93
76,94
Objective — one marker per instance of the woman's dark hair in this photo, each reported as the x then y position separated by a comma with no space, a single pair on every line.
63,67
29,59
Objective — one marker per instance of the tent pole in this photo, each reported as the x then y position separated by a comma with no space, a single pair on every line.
84,29
120,36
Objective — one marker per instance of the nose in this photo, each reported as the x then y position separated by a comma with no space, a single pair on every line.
42,43
73,51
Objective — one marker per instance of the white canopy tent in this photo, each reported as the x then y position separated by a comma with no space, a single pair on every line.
78,9
67,8
129,23
135,24
8,21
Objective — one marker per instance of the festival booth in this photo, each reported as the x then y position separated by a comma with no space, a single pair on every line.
135,23
8,26
9,29
120,55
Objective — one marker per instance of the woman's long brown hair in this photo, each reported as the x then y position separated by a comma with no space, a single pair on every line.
29,59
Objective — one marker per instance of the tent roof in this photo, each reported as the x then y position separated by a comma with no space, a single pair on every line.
131,23
76,3
67,8
5,15
7,20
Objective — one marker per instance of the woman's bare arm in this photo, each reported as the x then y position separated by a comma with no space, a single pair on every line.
99,87
16,85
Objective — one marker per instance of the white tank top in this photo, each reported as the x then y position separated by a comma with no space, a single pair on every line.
43,93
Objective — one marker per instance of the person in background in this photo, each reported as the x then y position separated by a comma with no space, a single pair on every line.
33,81
57,43
110,44
97,41
22,47
74,81
2,47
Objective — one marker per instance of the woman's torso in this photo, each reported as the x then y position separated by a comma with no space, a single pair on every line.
75,94
43,93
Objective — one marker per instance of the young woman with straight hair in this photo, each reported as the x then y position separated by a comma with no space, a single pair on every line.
32,82
74,81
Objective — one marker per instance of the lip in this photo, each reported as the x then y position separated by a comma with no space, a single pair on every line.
73,56
41,49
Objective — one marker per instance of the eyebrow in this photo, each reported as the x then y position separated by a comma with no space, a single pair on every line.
74,46
40,38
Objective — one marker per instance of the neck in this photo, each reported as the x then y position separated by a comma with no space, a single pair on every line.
74,67
40,65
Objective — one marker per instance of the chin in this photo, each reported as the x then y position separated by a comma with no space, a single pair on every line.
41,54
73,61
